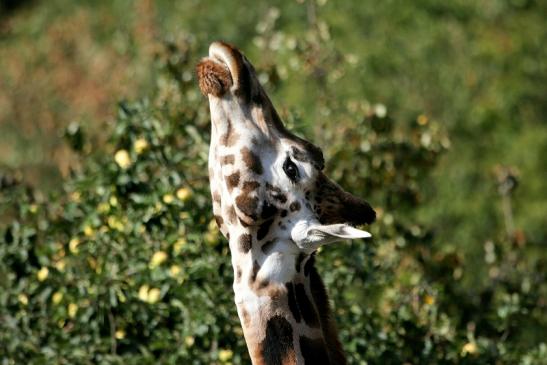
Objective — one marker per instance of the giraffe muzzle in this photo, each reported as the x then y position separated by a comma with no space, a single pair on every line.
226,70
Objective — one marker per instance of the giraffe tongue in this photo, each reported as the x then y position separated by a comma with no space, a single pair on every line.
310,236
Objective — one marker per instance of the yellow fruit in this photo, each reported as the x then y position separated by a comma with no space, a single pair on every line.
123,159
23,299
154,295
57,297
140,145
120,334
42,274
184,194
225,355
72,310
168,198
157,259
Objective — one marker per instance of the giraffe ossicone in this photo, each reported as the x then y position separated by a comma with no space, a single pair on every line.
276,207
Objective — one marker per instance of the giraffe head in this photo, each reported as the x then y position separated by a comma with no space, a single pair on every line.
263,175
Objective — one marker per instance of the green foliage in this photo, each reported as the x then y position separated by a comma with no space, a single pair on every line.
121,264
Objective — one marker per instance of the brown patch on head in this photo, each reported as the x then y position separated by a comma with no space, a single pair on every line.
216,197
294,207
276,193
227,160
250,186
232,180
248,206
252,161
245,242
213,78
310,153
339,206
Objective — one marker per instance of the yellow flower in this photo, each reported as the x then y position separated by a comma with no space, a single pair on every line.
212,226
469,348
154,295
143,292
184,194
140,145
72,310
120,334
123,159
113,201
121,297
75,196
177,246
57,297
211,238
60,265
23,299
33,208
174,270
157,259
42,274
168,198
103,207
184,215
73,245
422,119
225,355
115,223
429,300
189,341
88,230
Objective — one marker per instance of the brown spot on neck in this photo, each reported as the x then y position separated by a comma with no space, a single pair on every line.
278,346
232,180
230,137
227,160
245,242
314,351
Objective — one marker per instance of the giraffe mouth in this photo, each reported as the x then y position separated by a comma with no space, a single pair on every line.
224,70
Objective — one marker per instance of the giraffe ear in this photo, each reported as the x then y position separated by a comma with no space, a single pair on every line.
310,237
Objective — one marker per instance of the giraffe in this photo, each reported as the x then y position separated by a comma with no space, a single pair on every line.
276,207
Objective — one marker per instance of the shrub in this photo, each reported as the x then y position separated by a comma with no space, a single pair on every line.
123,264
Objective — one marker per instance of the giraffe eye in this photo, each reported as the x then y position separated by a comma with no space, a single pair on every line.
290,170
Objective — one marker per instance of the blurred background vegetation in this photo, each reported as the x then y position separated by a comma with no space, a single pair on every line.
433,111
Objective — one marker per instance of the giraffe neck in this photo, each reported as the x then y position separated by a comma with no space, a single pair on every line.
286,318
281,301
